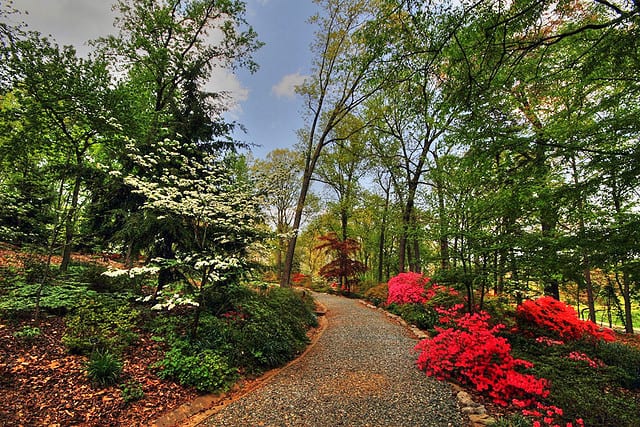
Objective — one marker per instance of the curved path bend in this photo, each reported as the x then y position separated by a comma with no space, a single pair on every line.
360,372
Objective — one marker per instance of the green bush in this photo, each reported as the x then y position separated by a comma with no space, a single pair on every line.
28,333
103,368
595,397
377,295
101,323
206,370
420,315
131,391
623,357
55,298
515,420
272,328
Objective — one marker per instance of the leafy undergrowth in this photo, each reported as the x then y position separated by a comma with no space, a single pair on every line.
42,384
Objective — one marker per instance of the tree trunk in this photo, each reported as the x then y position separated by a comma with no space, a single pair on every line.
383,229
70,225
285,280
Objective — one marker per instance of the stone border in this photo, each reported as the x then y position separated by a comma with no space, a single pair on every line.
477,413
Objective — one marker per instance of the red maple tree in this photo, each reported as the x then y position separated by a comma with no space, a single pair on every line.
343,268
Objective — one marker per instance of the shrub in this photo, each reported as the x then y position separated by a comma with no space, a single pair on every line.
206,370
472,354
103,368
101,323
56,298
28,333
378,294
407,288
131,391
419,315
548,316
623,357
590,395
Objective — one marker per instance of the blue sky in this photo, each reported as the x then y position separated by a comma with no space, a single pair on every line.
265,102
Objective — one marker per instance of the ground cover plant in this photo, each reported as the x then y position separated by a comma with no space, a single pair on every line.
538,362
109,357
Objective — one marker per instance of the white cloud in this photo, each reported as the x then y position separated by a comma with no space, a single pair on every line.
225,81
286,88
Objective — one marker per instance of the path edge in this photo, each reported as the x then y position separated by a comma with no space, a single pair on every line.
193,413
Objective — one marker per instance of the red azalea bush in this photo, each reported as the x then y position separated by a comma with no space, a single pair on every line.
559,320
407,288
471,353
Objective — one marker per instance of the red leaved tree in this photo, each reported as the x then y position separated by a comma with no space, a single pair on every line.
343,268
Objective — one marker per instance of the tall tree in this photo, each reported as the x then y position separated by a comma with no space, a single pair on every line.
277,179
68,99
340,168
346,50
167,53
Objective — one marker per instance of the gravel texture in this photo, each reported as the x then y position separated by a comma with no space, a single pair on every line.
361,372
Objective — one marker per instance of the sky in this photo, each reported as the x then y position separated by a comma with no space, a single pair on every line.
264,101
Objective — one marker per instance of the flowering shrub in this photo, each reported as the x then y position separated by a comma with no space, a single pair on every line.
472,354
407,288
300,279
558,319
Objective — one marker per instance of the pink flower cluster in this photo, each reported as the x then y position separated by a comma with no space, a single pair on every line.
547,415
576,355
414,288
407,288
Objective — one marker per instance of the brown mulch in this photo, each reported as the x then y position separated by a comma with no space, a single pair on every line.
41,384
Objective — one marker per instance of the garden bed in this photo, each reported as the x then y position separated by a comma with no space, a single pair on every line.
41,384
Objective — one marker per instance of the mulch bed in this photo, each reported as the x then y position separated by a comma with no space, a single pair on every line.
41,384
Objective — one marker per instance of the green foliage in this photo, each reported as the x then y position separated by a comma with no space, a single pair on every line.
131,391
420,315
515,420
57,298
28,333
595,394
377,295
101,323
623,357
253,330
206,370
593,397
272,328
103,368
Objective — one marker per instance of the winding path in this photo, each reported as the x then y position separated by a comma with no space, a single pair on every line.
360,372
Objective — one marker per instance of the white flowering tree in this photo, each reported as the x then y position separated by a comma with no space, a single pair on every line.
200,194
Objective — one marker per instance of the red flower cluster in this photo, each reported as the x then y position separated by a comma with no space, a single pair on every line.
472,354
560,320
299,278
407,288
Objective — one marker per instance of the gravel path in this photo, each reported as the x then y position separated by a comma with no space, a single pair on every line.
360,373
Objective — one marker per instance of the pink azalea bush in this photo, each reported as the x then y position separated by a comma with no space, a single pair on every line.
407,288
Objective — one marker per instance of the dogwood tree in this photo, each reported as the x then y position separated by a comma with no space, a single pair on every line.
216,208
